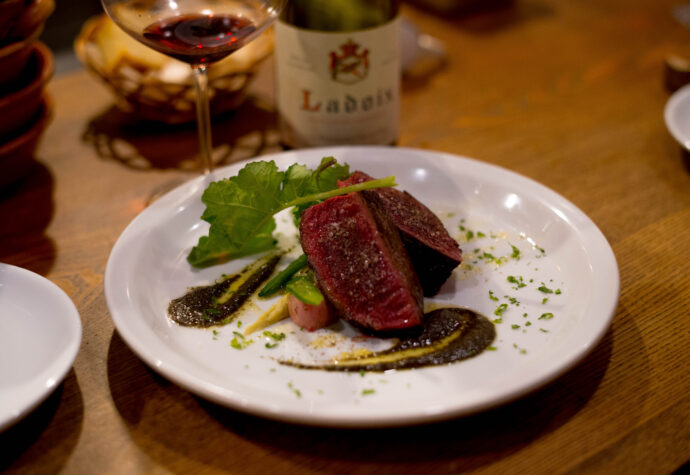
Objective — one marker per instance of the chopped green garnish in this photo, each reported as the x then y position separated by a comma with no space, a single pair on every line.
206,314
240,342
517,281
528,324
235,343
362,373
296,391
500,309
521,350
514,326
275,336
497,320
544,300
480,234
543,288
366,392
546,316
492,296
513,301
516,253
543,330
558,292
469,235
485,255
491,348
462,228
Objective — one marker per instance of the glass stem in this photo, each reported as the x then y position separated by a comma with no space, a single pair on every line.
203,117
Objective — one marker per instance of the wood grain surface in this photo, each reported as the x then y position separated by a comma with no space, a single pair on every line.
569,93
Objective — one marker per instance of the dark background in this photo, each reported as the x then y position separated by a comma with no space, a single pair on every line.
64,25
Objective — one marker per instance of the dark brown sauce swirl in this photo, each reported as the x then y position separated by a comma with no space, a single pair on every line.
448,335
207,306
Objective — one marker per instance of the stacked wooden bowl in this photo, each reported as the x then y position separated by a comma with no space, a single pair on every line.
26,65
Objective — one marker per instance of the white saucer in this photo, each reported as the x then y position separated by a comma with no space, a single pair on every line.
677,116
40,333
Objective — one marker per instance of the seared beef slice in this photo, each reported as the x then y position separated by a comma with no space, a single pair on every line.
360,262
433,252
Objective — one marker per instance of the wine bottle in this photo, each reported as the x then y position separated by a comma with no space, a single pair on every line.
338,72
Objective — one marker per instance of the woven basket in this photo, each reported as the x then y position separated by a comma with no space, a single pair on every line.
154,87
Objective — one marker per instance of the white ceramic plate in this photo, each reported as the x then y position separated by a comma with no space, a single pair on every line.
147,268
40,333
677,116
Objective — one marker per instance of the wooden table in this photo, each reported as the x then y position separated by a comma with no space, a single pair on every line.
568,93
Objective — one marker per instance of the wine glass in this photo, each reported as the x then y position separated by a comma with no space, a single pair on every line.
198,32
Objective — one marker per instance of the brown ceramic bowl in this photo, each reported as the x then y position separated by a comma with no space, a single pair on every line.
13,59
17,155
32,17
21,104
10,12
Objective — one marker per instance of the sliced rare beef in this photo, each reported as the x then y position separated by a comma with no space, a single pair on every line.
360,263
433,252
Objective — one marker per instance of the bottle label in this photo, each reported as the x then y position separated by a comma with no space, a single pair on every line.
338,87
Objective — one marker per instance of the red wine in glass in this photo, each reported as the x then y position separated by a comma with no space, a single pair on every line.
197,32
199,38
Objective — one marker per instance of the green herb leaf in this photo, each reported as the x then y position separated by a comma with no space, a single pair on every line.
240,209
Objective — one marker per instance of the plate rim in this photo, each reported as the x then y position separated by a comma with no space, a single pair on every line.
219,395
59,366
672,104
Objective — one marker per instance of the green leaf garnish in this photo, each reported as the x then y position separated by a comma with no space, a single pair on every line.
240,209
